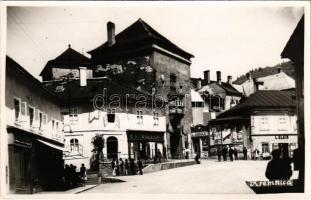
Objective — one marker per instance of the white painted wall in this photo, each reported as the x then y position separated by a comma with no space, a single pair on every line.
91,123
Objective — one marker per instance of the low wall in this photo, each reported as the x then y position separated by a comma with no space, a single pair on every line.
164,166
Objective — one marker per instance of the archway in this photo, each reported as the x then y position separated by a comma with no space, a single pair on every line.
112,147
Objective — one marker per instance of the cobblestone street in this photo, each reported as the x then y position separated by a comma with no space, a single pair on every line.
210,177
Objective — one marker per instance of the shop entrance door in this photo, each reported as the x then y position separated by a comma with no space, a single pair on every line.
112,147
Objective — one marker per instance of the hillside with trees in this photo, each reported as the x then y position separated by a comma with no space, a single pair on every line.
286,67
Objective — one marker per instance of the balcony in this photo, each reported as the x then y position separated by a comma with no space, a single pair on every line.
176,113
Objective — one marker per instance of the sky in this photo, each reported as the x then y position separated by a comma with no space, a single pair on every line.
231,39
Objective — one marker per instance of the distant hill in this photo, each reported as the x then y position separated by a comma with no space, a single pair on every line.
286,67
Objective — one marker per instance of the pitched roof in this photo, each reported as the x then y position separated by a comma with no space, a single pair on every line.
13,66
195,96
263,99
280,81
70,58
228,88
294,48
73,92
137,32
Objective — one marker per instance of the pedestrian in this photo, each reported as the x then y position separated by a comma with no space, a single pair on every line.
82,172
235,153
117,168
126,167
159,155
256,154
67,176
197,159
219,154
231,154
113,167
121,167
277,168
224,153
140,166
132,166
244,153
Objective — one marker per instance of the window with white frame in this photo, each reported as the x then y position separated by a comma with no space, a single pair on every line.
17,108
36,121
111,115
264,124
53,125
24,109
40,120
73,116
282,123
140,117
74,144
31,111
156,118
45,119
57,127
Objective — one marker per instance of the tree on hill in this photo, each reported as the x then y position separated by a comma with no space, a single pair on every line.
286,67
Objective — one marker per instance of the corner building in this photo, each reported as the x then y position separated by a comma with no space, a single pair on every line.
166,74
33,127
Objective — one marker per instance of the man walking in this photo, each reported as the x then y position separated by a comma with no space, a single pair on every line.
231,154
244,153
224,153
235,153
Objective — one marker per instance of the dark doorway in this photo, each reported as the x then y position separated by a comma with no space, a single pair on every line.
175,142
284,149
112,147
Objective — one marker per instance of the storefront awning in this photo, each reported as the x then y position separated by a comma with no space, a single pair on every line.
228,120
52,145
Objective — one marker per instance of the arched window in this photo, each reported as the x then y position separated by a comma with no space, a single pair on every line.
74,144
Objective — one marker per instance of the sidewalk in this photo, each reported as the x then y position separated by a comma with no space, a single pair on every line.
76,190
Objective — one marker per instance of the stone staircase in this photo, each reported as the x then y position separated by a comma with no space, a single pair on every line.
92,178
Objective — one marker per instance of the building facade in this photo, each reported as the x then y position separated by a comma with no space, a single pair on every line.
264,122
35,139
146,60
217,97
132,124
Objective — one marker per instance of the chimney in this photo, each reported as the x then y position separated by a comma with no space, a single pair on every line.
248,76
279,70
111,33
207,77
229,80
256,85
218,73
199,84
82,76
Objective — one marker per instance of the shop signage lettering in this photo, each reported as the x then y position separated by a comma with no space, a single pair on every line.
281,137
276,183
145,137
199,134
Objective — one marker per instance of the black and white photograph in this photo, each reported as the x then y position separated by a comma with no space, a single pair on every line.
117,99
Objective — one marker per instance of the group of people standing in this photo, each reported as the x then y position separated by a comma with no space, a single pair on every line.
232,152
71,177
127,167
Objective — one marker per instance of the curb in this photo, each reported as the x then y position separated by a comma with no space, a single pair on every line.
86,189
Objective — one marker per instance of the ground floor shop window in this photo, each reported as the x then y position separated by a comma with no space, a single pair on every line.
265,147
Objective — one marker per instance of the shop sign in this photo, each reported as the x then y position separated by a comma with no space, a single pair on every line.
275,183
199,134
281,137
148,137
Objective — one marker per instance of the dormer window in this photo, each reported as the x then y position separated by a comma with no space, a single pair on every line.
111,115
140,117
